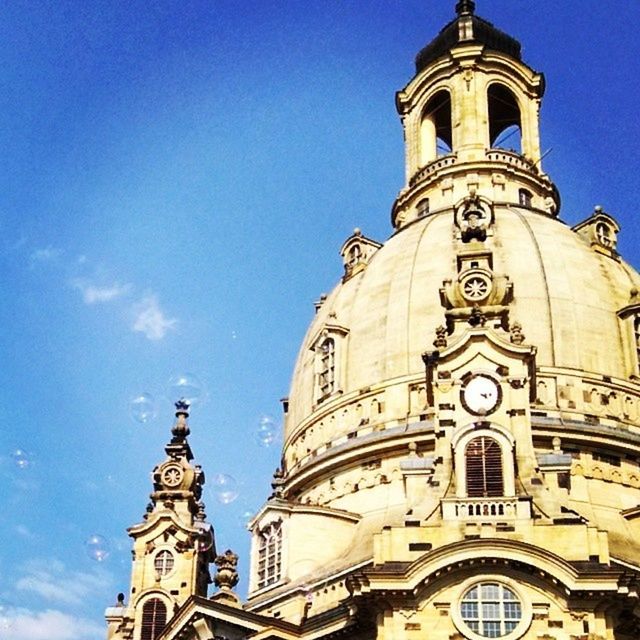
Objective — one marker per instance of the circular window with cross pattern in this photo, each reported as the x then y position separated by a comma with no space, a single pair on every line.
492,607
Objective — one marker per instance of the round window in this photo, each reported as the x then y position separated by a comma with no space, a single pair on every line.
491,610
163,562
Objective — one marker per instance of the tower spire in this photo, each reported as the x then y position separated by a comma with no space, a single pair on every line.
174,544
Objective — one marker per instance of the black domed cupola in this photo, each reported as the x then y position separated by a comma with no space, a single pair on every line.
467,28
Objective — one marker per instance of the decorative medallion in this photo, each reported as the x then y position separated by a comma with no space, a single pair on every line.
172,475
475,286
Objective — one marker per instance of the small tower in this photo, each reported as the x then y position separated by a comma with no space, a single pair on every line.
172,547
471,123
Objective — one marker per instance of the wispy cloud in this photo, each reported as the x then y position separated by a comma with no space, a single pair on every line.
49,624
45,254
24,531
57,585
151,320
91,293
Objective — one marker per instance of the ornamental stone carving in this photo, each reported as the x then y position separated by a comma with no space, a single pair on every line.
473,217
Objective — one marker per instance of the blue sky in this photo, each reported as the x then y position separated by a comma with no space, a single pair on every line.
176,180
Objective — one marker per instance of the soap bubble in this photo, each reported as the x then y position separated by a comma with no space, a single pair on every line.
186,386
143,408
224,488
246,515
21,459
267,431
307,591
97,547
204,544
6,617
204,541
306,569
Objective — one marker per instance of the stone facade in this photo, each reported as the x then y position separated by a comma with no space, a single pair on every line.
462,437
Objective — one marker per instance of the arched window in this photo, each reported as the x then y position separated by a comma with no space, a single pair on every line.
435,128
154,619
355,253
505,126
423,207
636,336
483,460
327,374
270,555
524,197
604,235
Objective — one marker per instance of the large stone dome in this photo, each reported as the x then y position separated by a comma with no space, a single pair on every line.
566,296
472,383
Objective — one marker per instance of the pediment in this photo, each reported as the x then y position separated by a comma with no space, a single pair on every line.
157,523
202,619
412,577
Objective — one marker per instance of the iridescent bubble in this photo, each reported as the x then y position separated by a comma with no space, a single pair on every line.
267,431
245,516
186,386
143,408
224,488
308,594
97,547
6,617
204,540
21,459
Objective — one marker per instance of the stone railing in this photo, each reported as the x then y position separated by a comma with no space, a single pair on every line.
485,509
511,157
432,167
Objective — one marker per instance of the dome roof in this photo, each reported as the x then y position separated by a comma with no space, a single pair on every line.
475,30
565,296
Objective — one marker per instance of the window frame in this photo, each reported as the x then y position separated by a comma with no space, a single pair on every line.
164,557
505,440
269,554
526,612
328,367
482,455
156,628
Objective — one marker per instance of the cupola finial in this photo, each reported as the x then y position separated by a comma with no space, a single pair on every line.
465,7
180,428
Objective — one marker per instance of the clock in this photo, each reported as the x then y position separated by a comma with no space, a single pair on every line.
481,394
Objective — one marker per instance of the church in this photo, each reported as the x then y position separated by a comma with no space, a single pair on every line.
461,454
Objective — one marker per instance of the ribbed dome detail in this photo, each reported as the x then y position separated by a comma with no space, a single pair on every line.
566,295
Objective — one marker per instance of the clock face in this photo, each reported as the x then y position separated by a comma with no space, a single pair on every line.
481,395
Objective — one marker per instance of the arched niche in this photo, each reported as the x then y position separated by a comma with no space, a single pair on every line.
505,121
435,127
